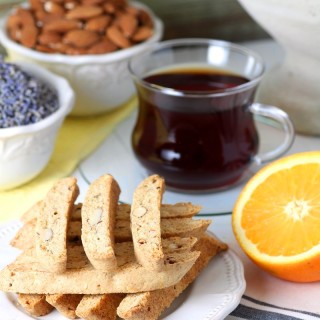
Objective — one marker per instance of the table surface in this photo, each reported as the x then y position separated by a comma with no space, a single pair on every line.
275,291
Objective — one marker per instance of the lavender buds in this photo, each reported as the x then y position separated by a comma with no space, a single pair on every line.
23,99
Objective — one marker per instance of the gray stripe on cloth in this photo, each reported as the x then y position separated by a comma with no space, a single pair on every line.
251,308
245,312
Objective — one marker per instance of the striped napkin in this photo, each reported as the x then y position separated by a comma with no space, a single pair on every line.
251,308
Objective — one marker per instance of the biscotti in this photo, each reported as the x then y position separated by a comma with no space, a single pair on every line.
52,224
66,304
167,211
99,307
92,284
35,304
145,223
27,275
149,305
184,227
98,222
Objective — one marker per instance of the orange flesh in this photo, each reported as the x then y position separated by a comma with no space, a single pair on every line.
288,219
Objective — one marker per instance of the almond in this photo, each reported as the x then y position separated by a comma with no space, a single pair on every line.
67,49
47,234
92,2
26,17
14,21
128,24
119,3
81,38
15,34
98,24
117,37
44,17
29,30
49,37
145,18
83,12
36,4
62,25
44,49
109,8
132,10
59,47
54,8
75,51
143,33
103,46
70,5
29,36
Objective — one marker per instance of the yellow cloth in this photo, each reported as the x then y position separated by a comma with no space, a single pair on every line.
77,138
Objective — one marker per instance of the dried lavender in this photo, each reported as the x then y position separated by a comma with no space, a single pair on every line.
23,99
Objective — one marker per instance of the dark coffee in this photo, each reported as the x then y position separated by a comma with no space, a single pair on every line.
198,141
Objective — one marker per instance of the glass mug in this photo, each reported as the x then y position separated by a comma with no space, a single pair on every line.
195,124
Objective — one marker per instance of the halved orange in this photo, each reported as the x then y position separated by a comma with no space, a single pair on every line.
276,218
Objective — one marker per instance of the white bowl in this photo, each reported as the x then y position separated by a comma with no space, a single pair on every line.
25,150
101,82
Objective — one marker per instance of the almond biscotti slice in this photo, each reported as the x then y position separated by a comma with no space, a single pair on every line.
52,224
145,222
179,210
178,227
167,211
149,305
99,307
35,304
184,227
24,238
27,275
98,222
66,304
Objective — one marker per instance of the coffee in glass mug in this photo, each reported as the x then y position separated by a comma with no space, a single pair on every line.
195,124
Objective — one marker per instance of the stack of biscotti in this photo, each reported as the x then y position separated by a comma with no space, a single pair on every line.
101,259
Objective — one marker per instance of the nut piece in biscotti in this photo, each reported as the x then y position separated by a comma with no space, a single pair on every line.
98,222
52,224
35,304
145,222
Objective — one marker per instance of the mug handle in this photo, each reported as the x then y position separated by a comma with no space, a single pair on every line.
283,119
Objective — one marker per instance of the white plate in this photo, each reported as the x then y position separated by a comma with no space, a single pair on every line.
115,156
215,293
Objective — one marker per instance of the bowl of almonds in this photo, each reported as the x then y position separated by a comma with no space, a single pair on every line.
88,42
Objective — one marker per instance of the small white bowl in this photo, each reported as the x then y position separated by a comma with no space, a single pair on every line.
25,150
101,82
